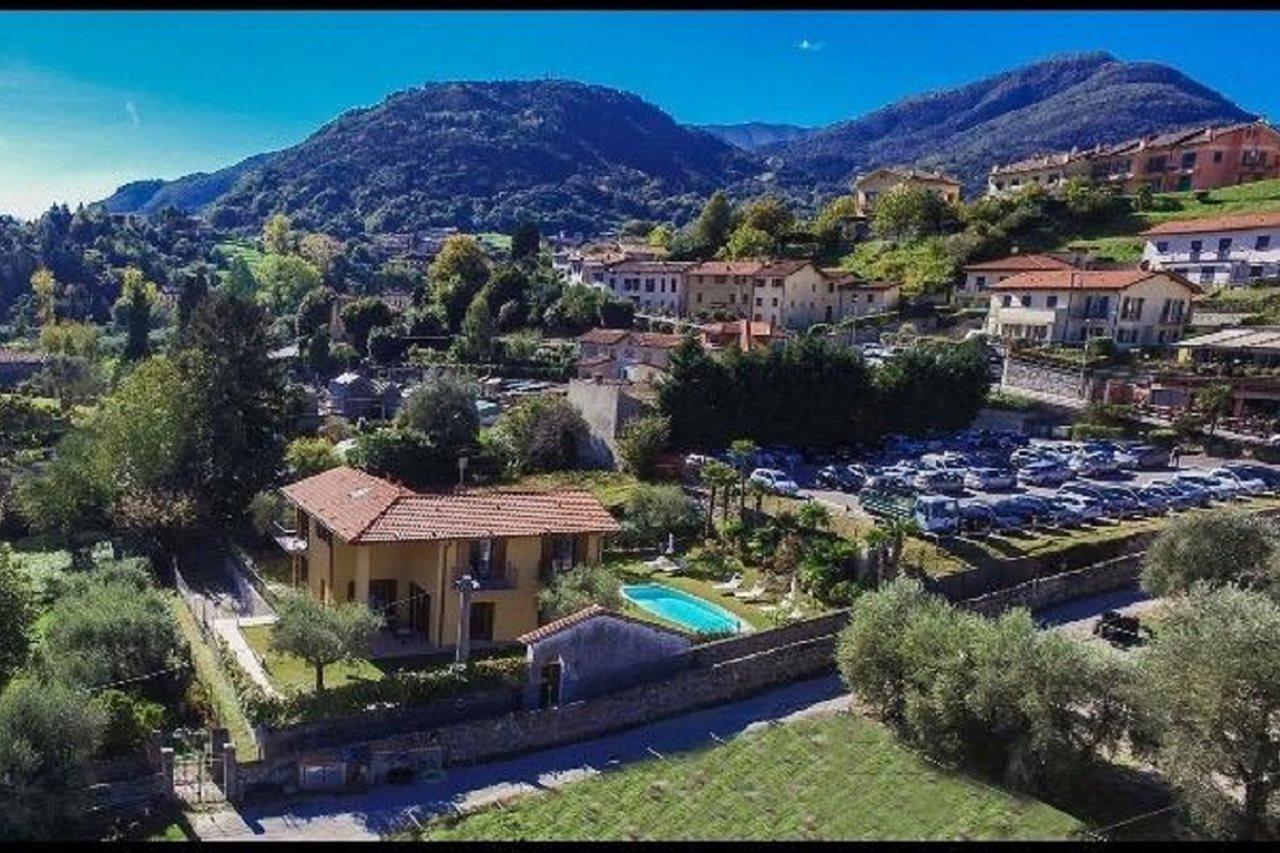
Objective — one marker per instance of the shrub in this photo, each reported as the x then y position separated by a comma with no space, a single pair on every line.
578,588
1162,437
265,510
129,721
307,456
1269,455
641,441
1080,432
541,433
48,736
1222,448
653,511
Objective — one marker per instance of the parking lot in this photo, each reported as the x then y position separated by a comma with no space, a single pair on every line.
1085,476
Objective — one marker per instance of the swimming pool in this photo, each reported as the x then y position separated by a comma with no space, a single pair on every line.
688,611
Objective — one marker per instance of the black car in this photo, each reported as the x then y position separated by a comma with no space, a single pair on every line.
845,478
1253,470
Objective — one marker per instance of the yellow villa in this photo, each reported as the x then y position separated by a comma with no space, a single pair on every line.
401,552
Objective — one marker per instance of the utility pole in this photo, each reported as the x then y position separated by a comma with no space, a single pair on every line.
465,586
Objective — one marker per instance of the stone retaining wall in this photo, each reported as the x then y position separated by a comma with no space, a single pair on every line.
1106,576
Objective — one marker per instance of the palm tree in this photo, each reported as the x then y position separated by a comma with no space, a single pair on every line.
718,477
742,451
814,516
886,541
758,491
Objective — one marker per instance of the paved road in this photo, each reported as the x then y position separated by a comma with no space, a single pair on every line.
368,815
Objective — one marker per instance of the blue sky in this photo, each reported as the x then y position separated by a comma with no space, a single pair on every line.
91,100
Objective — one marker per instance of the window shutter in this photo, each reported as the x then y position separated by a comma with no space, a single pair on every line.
498,557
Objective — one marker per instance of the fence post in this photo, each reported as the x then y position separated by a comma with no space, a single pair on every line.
166,770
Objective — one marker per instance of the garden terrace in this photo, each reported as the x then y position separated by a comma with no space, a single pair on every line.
772,785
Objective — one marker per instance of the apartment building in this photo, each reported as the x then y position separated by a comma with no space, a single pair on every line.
979,277
624,354
1218,250
1198,158
721,286
588,264
869,187
856,297
1133,307
656,287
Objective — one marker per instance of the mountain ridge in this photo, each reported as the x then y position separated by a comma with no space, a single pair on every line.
583,157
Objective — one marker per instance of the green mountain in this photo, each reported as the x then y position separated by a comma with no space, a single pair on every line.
1075,100
587,158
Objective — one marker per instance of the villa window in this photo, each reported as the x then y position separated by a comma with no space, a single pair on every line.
980,282
1006,301
775,302
480,557
1189,160
1026,300
1217,156
1051,301
1255,272
1162,247
1224,245
1262,243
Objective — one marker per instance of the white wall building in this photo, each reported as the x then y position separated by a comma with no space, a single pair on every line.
1218,250
656,287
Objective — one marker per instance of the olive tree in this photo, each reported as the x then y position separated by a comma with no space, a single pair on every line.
323,634
48,735
1219,547
17,615
1210,688
577,588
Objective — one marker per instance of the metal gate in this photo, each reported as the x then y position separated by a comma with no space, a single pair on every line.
197,770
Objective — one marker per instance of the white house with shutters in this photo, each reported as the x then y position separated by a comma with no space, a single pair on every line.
1219,250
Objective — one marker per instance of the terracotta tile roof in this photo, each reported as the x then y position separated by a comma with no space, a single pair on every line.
345,500
660,340
783,267
584,615
359,507
1072,279
727,268
1021,263
19,356
594,361
604,337
658,267
910,174
1233,222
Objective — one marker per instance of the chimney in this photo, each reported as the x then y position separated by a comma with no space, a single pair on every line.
1077,279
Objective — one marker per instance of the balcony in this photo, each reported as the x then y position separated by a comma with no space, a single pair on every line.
494,577
1092,312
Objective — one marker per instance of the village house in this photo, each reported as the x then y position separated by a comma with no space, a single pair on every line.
871,186
353,395
624,354
743,334
588,265
17,366
401,552
856,297
656,287
1234,249
979,277
1197,158
721,286
1132,307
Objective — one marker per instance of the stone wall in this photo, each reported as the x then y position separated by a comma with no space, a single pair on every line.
606,407
710,675
286,743
1035,594
1019,375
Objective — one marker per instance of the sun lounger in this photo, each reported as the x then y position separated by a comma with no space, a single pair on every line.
755,592
730,585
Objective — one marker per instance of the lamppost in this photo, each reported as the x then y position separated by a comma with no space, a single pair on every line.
465,586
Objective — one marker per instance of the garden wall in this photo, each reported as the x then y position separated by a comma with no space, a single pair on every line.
717,673
1117,573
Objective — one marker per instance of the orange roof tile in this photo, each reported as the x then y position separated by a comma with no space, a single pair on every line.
783,267
359,507
1021,263
587,613
1073,279
607,337
1235,222
726,268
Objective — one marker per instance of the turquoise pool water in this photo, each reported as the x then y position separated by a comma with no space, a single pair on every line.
687,611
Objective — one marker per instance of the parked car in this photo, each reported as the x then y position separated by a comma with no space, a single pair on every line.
1044,473
977,518
990,479
1150,456
1089,509
1093,463
775,481
1197,494
1219,489
1270,476
845,478
1174,499
939,481
1068,512
1154,498
1112,506
694,461
1248,485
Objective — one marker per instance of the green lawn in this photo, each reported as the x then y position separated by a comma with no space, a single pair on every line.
288,672
222,695
611,488
837,778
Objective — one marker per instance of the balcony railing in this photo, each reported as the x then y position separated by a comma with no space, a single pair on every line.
495,577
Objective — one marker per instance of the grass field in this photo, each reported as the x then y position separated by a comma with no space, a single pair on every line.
838,778
1125,247
611,488
288,672
221,694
